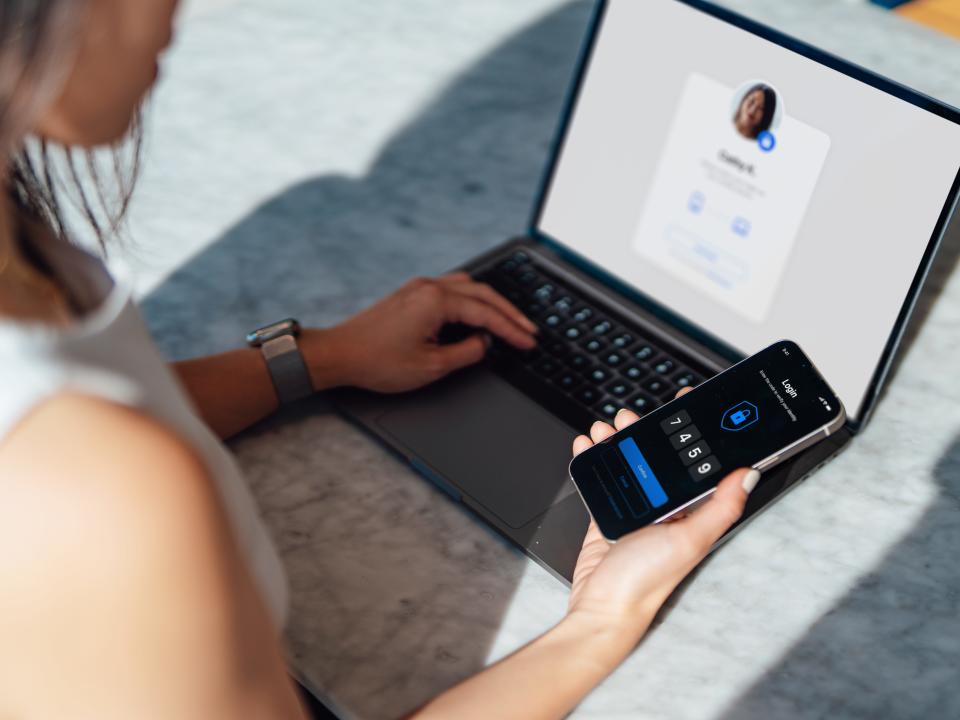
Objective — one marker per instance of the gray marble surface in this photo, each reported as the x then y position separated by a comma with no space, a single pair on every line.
306,156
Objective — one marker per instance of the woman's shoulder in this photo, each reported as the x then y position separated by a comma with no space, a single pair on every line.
77,463
112,538
118,568
78,454
42,358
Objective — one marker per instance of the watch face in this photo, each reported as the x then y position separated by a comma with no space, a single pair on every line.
269,332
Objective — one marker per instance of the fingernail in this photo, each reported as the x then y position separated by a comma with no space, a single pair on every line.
750,481
620,412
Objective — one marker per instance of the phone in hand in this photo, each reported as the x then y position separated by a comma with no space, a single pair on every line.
757,414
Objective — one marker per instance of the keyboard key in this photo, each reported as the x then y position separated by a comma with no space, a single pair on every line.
529,357
705,469
685,379
618,389
588,396
641,404
547,368
544,292
608,409
552,321
614,359
528,278
603,327
658,387
698,452
685,437
573,333
665,367
520,258
568,381
583,314
593,345
578,362
634,372
643,353
555,348
534,309
623,340
563,305
598,375
679,419
508,267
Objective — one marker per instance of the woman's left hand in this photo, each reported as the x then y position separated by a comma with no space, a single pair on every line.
392,346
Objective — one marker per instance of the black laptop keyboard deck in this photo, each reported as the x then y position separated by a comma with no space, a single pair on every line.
588,363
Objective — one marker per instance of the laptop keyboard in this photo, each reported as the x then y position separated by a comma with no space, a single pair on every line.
587,358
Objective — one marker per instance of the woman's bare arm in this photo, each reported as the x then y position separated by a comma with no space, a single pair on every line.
231,391
544,680
617,590
390,347
122,591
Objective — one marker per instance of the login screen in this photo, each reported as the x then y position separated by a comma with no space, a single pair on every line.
682,450
752,192
728,199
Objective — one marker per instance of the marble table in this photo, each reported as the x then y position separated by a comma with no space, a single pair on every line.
304,157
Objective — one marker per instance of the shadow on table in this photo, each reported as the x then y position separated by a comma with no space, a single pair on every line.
891,647
383,630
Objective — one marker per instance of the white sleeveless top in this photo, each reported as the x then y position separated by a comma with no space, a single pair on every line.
108,353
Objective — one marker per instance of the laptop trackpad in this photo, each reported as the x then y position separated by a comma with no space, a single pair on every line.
489,440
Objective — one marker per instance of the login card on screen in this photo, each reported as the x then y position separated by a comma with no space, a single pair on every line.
730,192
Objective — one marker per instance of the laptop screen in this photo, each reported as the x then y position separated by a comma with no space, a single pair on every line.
751,190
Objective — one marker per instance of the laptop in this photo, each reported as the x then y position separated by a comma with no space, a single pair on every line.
715,186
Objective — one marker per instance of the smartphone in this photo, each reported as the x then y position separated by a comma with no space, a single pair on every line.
757,413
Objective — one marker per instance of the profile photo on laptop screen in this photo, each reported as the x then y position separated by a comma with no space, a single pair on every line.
756,110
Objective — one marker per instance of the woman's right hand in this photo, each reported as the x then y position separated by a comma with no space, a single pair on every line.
617,590
620,587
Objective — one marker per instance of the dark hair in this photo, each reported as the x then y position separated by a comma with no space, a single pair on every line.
43,177
37,38
769,106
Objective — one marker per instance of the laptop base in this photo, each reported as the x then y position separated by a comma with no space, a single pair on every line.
427,426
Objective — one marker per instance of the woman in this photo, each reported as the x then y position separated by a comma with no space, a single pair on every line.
136,579
755,112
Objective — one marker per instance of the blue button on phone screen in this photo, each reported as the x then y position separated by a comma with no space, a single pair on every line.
642,472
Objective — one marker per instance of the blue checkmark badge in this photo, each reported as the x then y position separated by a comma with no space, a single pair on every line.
767,141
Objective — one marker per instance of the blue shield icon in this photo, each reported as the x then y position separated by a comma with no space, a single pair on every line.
742,415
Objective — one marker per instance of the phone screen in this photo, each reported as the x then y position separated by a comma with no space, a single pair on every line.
752,412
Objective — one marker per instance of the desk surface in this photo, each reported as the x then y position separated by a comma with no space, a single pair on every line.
368,145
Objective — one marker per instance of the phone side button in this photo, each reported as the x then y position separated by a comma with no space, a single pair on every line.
435,478
769,462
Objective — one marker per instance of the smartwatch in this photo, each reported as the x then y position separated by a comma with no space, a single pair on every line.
278,343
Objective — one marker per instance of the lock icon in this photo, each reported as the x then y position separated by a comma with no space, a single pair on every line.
742,415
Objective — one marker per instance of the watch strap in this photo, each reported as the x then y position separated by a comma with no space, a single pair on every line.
287,369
